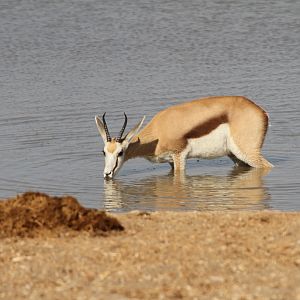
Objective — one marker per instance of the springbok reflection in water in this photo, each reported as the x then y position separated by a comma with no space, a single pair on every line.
240,189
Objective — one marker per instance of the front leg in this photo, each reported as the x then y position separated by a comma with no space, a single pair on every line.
179,162
172,165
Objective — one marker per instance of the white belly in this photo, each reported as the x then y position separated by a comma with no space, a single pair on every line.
210,146
163,158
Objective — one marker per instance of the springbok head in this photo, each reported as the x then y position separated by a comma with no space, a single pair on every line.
115,148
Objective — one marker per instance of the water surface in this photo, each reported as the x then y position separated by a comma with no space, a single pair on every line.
63,62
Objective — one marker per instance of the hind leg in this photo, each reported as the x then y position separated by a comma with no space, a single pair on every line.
258,161
248,156
237,162
248,128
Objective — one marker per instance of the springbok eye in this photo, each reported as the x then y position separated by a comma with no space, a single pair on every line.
120,153
103,152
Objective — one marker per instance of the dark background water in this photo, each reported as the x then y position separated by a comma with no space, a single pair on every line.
62,62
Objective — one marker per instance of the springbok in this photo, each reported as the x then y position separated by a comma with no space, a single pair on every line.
231,126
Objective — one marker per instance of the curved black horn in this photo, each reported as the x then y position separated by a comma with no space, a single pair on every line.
108,138
122,130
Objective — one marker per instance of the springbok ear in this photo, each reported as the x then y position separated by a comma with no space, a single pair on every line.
133,132
101,129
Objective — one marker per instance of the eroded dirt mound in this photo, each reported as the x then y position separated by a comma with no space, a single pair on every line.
33,214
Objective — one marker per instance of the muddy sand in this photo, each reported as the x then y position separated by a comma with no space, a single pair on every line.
53,248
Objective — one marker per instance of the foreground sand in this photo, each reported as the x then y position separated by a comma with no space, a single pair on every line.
163,255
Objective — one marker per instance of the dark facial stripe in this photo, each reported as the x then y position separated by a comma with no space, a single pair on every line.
116,165
206,127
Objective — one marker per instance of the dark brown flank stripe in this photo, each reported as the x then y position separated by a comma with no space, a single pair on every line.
206,127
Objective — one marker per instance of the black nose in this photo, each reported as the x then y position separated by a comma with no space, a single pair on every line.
107,174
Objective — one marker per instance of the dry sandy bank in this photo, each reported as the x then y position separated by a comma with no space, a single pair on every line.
164,255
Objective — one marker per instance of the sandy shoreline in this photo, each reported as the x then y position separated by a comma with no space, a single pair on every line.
162,255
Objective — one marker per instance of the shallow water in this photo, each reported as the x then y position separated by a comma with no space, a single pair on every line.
63,62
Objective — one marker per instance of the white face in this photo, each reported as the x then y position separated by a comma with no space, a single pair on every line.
114,153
